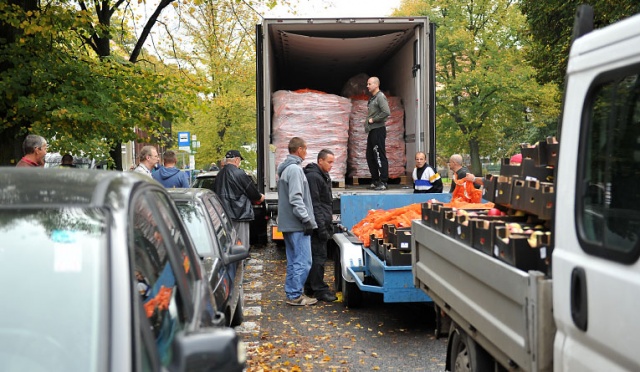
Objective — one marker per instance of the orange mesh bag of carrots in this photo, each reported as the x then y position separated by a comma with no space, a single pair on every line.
160,301
466,192
372,223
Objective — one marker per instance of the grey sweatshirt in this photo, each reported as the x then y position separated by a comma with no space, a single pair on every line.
378,110
294,199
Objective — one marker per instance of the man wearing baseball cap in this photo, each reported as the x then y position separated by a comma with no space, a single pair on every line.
237,193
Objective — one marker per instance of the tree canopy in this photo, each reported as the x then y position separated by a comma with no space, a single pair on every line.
221,53
487,99
551,25
77,73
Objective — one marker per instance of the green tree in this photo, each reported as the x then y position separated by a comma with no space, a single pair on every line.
54,85
487,98
62,77
551,26
222,54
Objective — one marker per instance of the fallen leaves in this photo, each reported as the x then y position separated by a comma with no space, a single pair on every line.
316,338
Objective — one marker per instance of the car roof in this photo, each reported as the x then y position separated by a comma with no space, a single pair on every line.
58,186
188,194
207,174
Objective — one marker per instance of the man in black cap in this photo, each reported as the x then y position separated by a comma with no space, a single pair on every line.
237,193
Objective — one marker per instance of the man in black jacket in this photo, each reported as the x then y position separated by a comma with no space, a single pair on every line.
322,200
237,191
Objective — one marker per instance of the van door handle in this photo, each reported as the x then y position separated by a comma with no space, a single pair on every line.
579,307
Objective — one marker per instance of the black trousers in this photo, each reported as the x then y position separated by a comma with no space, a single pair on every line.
315,281
377,155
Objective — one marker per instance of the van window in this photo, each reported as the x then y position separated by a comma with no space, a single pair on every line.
609,209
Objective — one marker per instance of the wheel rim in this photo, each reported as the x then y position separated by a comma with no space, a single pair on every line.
462,361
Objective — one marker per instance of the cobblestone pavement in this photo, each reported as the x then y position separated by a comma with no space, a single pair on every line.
329,336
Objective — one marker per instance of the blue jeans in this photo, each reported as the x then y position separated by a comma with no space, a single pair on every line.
298,248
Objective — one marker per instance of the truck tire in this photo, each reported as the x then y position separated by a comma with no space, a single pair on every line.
465,355
351,294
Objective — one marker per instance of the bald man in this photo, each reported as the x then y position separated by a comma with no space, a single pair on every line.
460,172
375,126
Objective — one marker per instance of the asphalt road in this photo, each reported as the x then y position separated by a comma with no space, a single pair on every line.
329,336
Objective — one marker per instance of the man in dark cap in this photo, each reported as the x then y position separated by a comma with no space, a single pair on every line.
237,193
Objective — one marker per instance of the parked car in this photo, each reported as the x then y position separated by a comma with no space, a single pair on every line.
205,180
99,273
215,239
54,159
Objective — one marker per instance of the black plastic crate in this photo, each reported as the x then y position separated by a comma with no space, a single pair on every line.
463,231
540,173
552,151
397,257
449,223
387,230
377,246
426,213
483,235
437,215
531,197
509,170
537,153
489,190
516,250
546,201
518,188
503,191
402,239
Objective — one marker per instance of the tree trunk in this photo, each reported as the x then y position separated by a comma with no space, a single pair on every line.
474,152
116,155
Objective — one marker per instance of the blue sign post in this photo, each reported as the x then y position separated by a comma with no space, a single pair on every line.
184,141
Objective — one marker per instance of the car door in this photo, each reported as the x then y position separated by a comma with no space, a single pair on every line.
174,301
228,238
222,278
596,273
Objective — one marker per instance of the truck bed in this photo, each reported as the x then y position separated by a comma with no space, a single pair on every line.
502,308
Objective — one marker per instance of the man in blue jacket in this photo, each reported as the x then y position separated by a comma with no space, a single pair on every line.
170,176
296,221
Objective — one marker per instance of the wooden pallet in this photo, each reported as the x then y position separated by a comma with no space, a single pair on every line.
337,184
358,181
402,180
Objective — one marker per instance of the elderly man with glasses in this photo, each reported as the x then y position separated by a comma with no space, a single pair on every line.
148,160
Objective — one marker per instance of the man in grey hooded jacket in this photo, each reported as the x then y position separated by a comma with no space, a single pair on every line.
296,222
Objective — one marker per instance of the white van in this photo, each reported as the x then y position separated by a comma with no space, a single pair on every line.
584,316
596,273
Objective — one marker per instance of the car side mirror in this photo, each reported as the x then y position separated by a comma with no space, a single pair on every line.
199,351
237,253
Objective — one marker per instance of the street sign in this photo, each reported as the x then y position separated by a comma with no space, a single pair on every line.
184,141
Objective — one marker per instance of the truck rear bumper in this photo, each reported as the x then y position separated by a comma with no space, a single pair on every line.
395,283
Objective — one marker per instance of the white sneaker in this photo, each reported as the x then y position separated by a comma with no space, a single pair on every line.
302,301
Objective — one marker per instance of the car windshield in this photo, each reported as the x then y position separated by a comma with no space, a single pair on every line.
193,216
53,274
204,182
